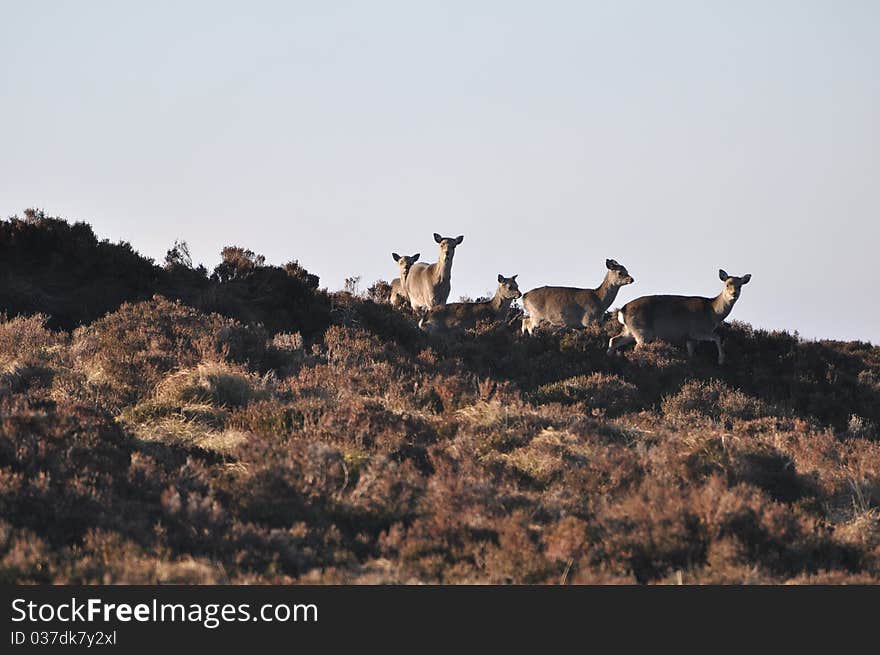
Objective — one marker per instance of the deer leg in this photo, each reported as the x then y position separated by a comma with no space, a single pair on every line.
642,336
717,339
619,341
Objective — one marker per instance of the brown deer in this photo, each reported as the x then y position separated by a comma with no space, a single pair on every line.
398,284
428,285
573,307
466,315
673,318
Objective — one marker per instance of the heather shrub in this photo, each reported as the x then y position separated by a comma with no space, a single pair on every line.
29,352
773,472
108,558
566,540
598,391
861,428
386,492
58,467
24,557
827,380
282,300
495,427
591,339
518,554
25,339
397,327
655,368
238,343
277,420
546,457
289,343
367,426
353,347
649,532
124,355
281,487
862,532
658,530
716,400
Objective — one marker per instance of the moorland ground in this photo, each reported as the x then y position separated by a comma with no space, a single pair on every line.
164,423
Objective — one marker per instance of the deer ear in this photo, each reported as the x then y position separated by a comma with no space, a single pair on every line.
723,274
395,255
415,257
459,240
437,237
610,264
514,277
500,278
745,278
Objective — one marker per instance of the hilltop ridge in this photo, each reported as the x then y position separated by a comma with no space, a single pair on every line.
164,423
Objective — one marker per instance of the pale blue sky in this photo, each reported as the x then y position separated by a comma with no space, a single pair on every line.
676,137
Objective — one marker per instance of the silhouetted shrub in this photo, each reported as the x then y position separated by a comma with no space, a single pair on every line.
62,270
237,263
297,272
379,292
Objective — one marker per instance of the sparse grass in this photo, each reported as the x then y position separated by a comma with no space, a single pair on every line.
192,407
216,383
179,431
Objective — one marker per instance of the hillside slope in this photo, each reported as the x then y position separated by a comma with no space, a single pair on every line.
158,424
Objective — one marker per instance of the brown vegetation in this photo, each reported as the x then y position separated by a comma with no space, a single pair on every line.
168,431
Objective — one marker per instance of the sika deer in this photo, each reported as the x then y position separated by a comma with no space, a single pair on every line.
428,285
466,315
573,307
398,284
678,317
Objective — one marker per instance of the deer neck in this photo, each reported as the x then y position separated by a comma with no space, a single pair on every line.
499,304
444,266
607,291
721,306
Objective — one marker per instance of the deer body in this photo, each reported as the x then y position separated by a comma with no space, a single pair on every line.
428,285
673,318
573,307
398,284
466,315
